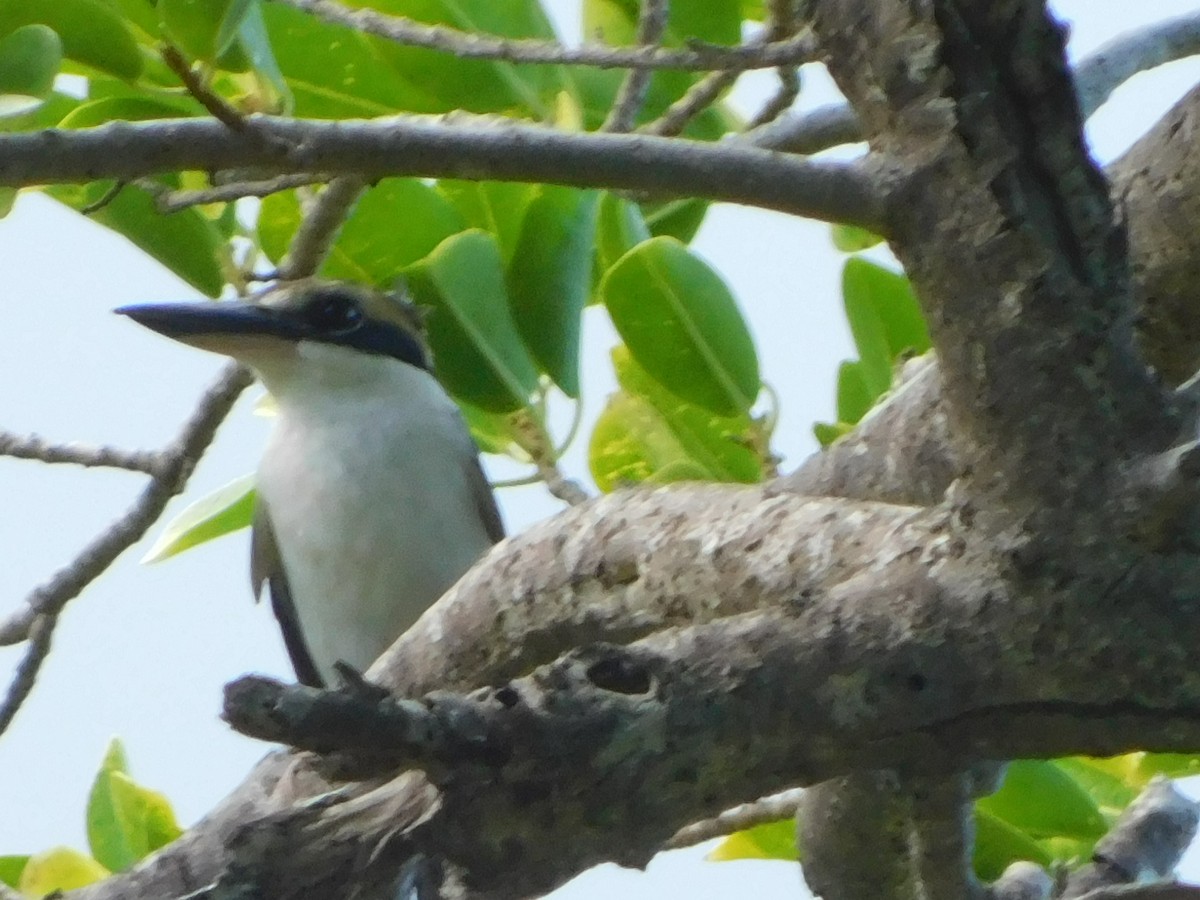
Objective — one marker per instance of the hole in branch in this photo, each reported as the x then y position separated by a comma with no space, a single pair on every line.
620,675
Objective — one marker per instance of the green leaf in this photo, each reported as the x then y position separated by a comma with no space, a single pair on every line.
224,511
394,224
680,219
255,43
998,845
478,353
490,431
186,242
123,109
826,433
29,59
278,218
335,72
495,206
91,32
550,278
126,822
619,228
230,24
205,29
631,444
875,356
771,840
854,398
1042,800
851,238
478,85
8,197
887,298
720,448
59,869
11,868
683,326
1103,783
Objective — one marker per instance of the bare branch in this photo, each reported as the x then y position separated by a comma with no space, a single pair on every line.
217,106
41,634
696,58
319,229
459,147
173,201
1096,78
36,619
824,127
701,95
632,94
1128,54
775,808
780,102
34,447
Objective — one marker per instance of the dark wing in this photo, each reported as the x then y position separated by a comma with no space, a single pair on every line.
481,490
266,565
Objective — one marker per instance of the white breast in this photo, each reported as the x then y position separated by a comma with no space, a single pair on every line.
365,481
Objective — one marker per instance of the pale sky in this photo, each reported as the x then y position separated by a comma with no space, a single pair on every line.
144,652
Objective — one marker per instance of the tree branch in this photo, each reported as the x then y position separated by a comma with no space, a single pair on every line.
1096,78
652,22
37,618
698,57
320,226
460,147
1120,59
33,447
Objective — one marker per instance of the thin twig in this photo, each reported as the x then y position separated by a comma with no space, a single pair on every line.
652,22
781,101
173,201
35,621
781,23
698,57
103,200
220,110
41,634
34,447
775,808
699,97
319,228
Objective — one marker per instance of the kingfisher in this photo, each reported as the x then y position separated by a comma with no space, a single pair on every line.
371,501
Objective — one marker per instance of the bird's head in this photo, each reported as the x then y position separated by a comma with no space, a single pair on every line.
326,329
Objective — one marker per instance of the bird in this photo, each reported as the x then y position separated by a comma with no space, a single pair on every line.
371,501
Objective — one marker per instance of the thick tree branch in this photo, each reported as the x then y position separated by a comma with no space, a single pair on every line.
460,147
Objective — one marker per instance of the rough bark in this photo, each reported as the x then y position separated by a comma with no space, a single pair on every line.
656,656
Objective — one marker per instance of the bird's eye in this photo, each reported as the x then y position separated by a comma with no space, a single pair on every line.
333,313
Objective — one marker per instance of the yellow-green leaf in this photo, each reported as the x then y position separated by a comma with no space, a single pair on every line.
771,840
125,821
59,869
227,509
